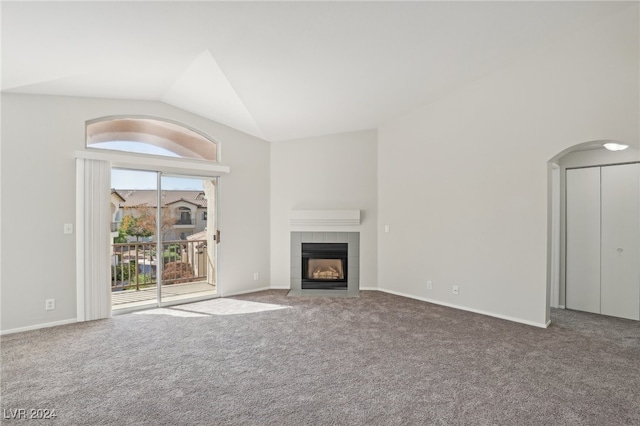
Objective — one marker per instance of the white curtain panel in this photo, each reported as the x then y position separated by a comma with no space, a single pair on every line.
93,241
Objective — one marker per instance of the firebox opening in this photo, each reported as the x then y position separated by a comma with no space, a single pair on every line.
325,269
324,265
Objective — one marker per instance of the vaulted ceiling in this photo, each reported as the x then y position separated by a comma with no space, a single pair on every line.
276,70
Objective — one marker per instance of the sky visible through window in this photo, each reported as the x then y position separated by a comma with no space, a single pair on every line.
137,147
137,179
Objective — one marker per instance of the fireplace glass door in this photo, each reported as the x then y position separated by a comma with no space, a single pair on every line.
324,265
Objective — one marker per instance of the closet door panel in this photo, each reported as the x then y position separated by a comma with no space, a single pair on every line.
620,267
583,239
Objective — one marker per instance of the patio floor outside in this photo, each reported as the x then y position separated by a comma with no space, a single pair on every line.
173,292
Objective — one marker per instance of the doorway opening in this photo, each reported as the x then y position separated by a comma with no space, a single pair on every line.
159,237
163,226
164,248
562,262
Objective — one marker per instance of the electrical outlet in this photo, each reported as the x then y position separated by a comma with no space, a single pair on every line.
49,304
429,285
256,276
386,228
455,289
68,228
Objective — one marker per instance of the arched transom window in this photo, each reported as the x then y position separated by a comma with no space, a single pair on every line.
150,136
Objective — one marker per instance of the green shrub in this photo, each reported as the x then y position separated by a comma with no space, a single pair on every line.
126,272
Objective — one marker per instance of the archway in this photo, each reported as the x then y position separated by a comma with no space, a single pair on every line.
583,155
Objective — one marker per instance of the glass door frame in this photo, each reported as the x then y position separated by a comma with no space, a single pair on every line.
160,238
159,303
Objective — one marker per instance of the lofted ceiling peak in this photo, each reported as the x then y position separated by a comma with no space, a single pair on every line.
277,70
203,89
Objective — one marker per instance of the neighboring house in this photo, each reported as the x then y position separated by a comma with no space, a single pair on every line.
187,209
116,213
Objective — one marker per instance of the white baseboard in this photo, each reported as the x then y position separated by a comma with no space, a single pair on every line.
238,293
397,293
289,288
561,307
39,326
464,308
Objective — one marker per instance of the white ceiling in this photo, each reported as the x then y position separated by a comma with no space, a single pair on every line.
281,70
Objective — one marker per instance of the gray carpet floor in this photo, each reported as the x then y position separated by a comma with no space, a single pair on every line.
269,359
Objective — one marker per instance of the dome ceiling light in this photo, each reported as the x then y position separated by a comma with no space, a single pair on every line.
612,146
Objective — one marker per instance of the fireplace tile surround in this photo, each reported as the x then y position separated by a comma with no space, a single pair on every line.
353,264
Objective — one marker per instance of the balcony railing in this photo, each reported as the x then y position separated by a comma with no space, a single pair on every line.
134,265
185,222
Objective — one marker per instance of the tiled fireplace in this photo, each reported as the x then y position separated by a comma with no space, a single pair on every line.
325,263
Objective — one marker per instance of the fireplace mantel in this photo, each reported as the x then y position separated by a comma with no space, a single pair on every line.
324,217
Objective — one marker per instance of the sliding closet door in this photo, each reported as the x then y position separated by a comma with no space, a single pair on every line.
583,239
620,266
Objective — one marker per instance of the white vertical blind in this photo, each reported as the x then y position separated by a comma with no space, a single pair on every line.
93,217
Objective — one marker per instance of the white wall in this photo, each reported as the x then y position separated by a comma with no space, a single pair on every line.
39,137
463,181
330,172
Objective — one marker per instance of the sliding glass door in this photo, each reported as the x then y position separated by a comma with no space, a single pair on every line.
164,247
133,232
188,230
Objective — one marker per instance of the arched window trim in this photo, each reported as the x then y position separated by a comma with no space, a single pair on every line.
218,145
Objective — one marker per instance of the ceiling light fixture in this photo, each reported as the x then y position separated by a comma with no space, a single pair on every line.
612,146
